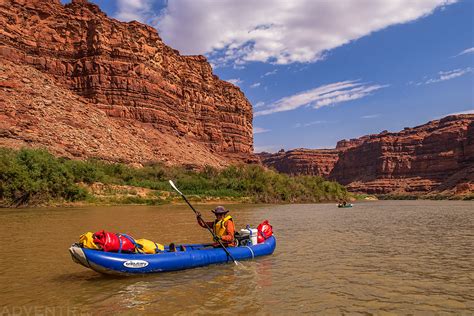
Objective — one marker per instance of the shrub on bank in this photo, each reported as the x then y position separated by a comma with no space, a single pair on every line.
32,176
35,176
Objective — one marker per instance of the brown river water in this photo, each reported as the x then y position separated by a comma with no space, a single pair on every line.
386,257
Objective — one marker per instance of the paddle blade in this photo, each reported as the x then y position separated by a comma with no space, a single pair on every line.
174,187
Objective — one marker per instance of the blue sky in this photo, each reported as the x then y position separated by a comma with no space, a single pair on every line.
318,71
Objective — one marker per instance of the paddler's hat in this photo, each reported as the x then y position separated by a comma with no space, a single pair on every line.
220,210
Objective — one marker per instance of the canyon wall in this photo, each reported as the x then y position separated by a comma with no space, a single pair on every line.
126,71
301,161
434,157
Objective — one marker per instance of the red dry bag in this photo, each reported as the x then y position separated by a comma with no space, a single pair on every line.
111,242
264,231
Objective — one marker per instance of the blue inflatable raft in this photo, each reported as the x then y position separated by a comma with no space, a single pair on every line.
196,255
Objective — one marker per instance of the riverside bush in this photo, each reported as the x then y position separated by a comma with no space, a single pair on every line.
31,176
35,176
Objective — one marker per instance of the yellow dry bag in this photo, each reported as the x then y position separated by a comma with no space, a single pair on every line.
87,241
148,246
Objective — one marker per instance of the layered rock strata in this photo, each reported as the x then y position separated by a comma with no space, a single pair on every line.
37,112
434,157
126,71
302,161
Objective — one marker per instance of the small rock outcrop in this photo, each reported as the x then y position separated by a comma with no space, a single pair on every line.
126,71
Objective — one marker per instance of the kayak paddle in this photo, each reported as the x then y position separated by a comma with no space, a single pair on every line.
208,228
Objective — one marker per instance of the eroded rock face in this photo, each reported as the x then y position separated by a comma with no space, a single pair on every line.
35,111
302,161
437,156
125,70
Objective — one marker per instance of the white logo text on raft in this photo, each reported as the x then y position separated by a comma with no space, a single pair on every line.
135,264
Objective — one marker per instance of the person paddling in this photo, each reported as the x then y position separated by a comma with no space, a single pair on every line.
223,226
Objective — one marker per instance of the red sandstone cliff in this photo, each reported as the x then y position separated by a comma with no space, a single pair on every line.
125,71
319,162
434,157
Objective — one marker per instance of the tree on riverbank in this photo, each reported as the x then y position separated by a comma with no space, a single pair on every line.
34,176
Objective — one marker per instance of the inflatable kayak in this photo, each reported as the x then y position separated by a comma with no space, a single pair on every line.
345,206
196,255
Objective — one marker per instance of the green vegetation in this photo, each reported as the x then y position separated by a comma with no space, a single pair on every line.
397,197
32,176
363,196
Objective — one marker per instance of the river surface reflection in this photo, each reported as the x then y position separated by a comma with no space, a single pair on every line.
390,256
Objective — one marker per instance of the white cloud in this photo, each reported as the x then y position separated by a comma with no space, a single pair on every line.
267,148
138,10
462,112
259,104
270,73
276,31
470,111
255,85
466,51
370,116
259,130
327,95
236,81
298,125
448,75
